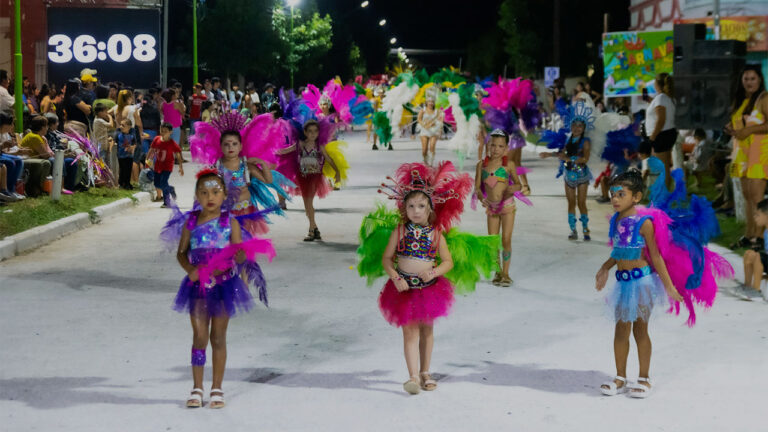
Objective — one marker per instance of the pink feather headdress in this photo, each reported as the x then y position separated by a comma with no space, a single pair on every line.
444,186
260,137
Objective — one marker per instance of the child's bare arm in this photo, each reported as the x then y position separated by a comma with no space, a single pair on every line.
181,255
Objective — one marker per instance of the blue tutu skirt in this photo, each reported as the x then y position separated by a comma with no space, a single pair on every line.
578,176
635,299
227,297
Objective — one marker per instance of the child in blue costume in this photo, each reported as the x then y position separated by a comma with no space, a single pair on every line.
573,150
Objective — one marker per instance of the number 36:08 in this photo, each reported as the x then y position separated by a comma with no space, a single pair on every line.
118,48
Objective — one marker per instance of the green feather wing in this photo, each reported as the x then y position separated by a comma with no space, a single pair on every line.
383,129
473,257
375,231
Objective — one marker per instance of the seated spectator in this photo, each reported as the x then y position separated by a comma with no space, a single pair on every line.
73,172
756,261
36,142
37,169
13,164
701,156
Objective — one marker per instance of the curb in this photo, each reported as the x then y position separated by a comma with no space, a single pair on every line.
33,238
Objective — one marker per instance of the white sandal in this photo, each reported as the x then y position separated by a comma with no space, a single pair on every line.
613,389
217,401
641,391
427,383
195,399
413,385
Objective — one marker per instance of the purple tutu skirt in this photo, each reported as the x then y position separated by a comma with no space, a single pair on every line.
421,306
225,298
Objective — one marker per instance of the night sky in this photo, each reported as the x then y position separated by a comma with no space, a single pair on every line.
448,25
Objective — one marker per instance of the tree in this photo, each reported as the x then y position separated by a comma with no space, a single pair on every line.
236,37
302,50
356,60
521,41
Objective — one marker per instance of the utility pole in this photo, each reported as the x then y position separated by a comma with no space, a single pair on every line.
194,42
165,44
556,33
18,91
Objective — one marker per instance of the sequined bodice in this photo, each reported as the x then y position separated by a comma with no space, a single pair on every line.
628,243
237,177
310,161
207,238
417,243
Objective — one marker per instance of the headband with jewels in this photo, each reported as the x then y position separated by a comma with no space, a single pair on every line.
499,133
443,185
207,171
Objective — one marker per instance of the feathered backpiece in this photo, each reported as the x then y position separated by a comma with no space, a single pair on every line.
259,137
508,94
580,112
444,186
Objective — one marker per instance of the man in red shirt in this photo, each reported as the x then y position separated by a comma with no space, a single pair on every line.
164,149
195,103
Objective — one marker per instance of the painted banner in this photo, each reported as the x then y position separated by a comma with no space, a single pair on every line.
633,59
749,29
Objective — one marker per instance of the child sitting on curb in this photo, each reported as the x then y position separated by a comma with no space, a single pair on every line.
755,262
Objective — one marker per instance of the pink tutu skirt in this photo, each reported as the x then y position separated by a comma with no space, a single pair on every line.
422,306
319,182
253,226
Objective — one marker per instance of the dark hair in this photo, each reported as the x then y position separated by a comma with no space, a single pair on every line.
73,87
3,74
276,110
52,119
631,179
666,80
101,91
311,123
741,94
5,119
763,206
644,148
166,126
215,80
168,95
233,133
99,107
45,90
211,175
206,104
37,123
699,133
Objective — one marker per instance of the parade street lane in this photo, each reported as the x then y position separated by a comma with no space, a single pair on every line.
90,343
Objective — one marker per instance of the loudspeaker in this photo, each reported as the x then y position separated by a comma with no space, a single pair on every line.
719,48
684,36
703,101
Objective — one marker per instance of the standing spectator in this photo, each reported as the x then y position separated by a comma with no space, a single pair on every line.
173,112
150,119
31,106
208,92
218,95
660,122
114,89
77,110
88,82
268,98
6,100
126,109
50,98
251,92
103,124
196,103
102,97
749,130
164,150
234,93
126,142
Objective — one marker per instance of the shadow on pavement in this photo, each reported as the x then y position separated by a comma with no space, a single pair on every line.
64,392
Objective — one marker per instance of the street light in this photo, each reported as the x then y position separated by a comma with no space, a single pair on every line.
393,40
364,4
382,22
292,3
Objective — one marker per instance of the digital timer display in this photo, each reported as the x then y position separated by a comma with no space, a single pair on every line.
121,44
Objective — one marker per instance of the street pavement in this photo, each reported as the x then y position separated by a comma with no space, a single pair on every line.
89,341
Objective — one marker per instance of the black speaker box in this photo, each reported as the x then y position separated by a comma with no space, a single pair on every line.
719,49
684,36
703,101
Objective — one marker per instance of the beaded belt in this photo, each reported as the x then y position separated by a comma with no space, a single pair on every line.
414,281
635,273
216,280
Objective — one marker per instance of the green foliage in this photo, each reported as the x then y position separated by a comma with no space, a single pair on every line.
521,41
356,60
31,212
303,48
226,27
